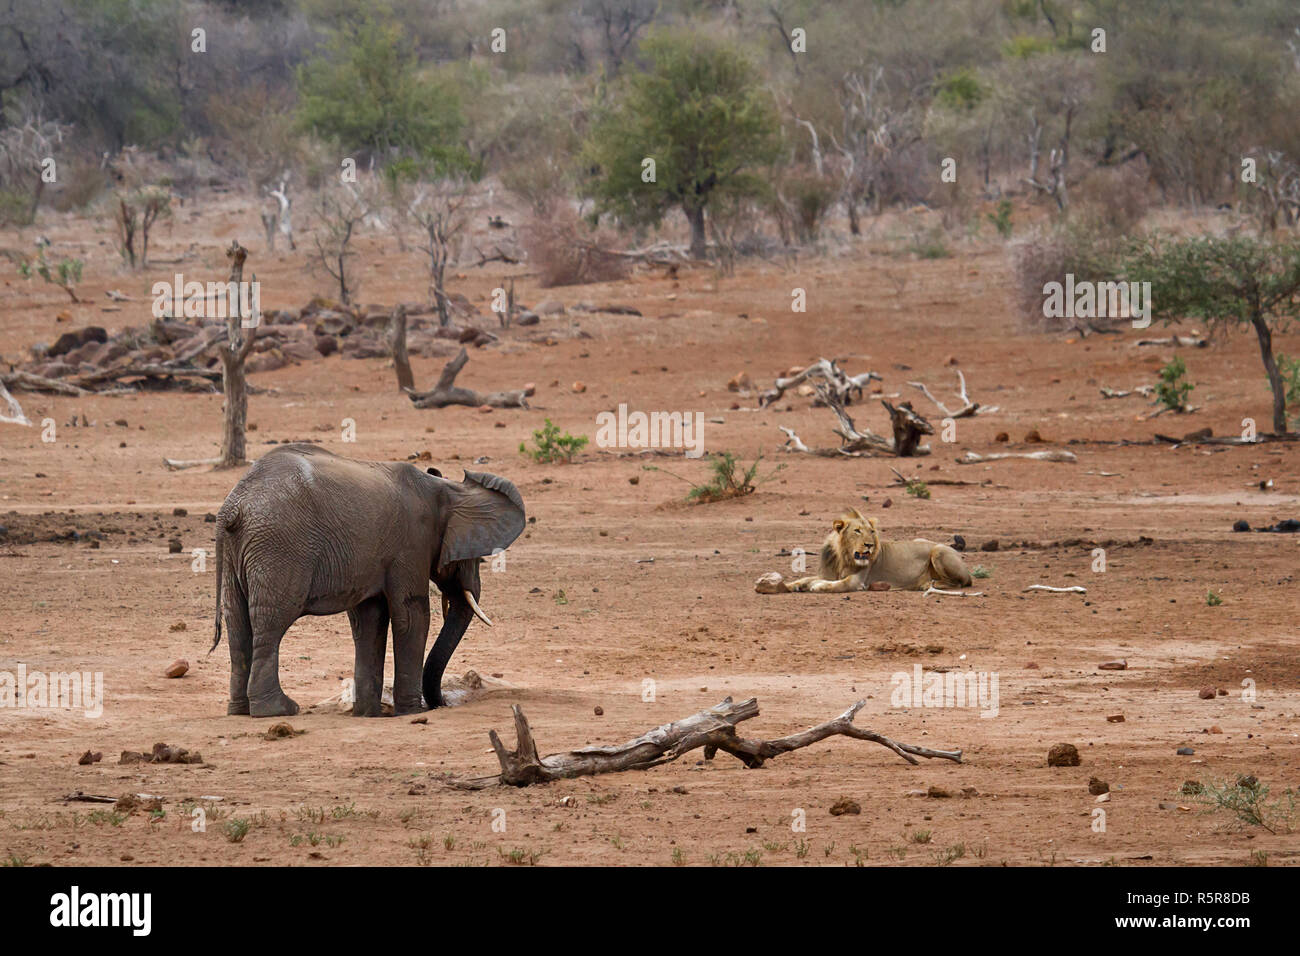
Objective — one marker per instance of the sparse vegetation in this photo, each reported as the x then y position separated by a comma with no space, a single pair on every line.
550,445
1173,388
1246,799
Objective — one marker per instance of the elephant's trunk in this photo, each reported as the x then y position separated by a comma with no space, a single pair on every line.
455,620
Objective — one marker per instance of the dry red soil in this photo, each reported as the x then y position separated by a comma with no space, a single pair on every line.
583,620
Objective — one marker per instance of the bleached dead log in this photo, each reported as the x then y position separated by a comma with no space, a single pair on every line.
39,383
179,464
967,409
713,729
934,590
1076,589
446,392
971,458
13,412
857,442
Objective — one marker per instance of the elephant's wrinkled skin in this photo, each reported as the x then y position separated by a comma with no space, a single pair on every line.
308,532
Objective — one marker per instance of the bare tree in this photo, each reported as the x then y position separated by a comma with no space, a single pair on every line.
397,342
24,149
440,209
871,131
278,217
338,213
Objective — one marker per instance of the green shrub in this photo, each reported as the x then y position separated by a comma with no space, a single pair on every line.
552,445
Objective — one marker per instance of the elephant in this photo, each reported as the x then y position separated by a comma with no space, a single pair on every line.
308,532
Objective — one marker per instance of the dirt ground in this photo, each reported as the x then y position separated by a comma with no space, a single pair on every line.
584,618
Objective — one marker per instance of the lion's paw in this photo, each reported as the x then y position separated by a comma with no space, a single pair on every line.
770,583
820,586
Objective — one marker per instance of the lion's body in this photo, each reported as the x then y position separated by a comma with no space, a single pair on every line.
854,556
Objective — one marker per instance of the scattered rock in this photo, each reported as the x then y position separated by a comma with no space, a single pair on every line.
1063,755
937,793
579,386
90,757
178,668
740,382
600,711
1208,693
1033,438
1113,665
1097,786
174,546
844,805
991,545
1114,718
178,626
1002,437
1185,751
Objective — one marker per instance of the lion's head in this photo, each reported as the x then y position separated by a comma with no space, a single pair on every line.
858,540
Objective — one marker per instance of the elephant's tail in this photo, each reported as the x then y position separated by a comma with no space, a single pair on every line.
221,574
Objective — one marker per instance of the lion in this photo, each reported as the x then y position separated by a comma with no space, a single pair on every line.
854,557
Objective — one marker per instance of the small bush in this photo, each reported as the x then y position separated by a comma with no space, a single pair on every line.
1247,800
1078,248
979,571
1212,599
730,479
1001,218
552,445
1172,390
565,252
917,488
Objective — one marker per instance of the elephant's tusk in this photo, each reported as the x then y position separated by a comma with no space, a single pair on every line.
478,611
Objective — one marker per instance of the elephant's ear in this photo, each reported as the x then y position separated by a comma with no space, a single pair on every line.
484,513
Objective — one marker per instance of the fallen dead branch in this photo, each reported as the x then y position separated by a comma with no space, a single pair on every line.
39,383
446,392
713,729
837,382
1143,390
971,458
1076,589
903,481
934,590
1178,341
967,409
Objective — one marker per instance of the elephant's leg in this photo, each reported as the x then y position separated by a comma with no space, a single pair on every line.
454,622
239,637
410,633
369,621
265,698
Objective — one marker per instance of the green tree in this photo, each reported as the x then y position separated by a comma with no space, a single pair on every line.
699,110
1226,282
369,93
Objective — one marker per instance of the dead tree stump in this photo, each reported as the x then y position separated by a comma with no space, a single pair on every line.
397,342
908,428
239,344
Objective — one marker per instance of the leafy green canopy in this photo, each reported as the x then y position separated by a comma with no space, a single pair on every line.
368,93
700,111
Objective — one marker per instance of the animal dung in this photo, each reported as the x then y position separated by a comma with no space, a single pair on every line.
1063,755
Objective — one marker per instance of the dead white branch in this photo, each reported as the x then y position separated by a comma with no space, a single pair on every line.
967,409
971,458
1076,589
934,590
713,729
